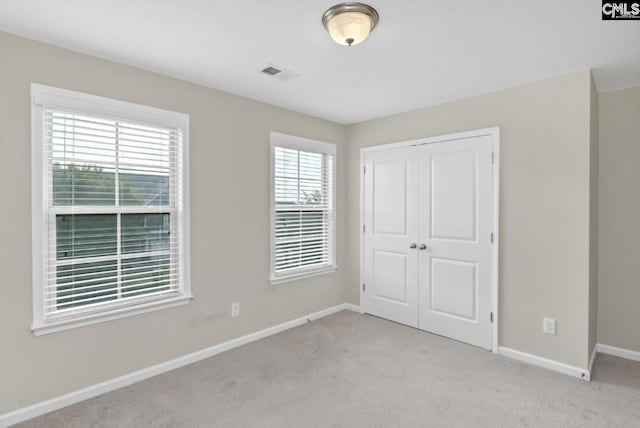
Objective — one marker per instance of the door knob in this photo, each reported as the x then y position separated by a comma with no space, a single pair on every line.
423,247
413,245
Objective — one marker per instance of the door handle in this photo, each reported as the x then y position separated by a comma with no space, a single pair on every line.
423,246
413,245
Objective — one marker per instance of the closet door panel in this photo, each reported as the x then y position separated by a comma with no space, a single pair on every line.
390,287
456,220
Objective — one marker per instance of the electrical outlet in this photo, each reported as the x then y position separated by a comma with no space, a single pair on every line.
235,309
549,326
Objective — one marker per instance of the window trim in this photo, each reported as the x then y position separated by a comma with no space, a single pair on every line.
304,144
51,97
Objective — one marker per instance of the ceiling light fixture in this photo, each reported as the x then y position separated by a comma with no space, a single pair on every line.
349,24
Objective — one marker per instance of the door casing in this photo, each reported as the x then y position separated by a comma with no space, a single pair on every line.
494,134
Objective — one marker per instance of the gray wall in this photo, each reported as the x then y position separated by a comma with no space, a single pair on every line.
544,204
619,218
229,223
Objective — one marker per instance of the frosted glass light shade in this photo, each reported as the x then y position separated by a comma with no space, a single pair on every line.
349,24
349,28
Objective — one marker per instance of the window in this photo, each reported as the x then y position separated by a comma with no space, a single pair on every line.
303,208
110,224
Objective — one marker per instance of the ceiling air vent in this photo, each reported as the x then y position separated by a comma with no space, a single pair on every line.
271,71
278,72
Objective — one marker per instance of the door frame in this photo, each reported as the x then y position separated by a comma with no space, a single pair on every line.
494,134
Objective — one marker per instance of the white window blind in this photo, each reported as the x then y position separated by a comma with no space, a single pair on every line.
303,208
112,192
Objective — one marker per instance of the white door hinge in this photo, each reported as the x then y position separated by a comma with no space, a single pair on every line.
491,316
364,287
492,237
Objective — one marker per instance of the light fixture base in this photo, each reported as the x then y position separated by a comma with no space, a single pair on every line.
351,7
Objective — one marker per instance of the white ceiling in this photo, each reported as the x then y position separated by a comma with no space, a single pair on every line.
423,52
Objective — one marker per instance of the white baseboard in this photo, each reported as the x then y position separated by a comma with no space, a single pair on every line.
556,366
618,352
56,403
352,307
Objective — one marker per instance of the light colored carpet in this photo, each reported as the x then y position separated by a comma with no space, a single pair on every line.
352,370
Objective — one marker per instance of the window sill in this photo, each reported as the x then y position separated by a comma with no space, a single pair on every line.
302,275
55,326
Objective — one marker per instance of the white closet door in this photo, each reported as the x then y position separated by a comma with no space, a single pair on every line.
456,217
391,227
